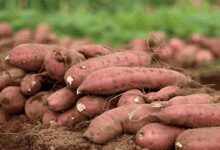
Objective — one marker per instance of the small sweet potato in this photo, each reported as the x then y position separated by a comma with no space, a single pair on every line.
156,39
12,100
137,44
29,57
93,50
49,117
70,117
65,41
58,61
157,136
112,123
77,73
199,139
36,106
116,79
190,115
203,56
5,30
163,94
91,106
62,99
177,45
133,96
12,76
3,116
23,36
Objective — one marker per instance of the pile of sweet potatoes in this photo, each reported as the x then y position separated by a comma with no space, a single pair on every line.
119,92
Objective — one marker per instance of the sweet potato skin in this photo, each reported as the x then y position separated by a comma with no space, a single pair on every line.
131,97
110,124
162,95
5,30
3,116
157,136
77,73
49,117
12,100
199,139
57,61
62,99
29,57
116,79
36,106
70,117
190,115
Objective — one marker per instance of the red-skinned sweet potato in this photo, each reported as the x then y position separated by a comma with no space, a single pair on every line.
138,44
199,139
93,50
3,116
116,79
29,57
112,123
70,117
91,106
50,117
23,36
36,106
12,100
62,99
163,94
190,115
58,61
5,30
203,56
157,136
133,96
77,73
12,76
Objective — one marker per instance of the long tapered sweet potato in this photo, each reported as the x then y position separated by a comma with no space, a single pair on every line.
93,50
58,61
190,115
70,117
162,95
157,136
116,79
91,106
199,139
10,77
133,96
77,73
36,106
188,99
62,99
29,57
112,123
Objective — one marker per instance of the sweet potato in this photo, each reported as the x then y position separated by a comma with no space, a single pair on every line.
3,116
70,117
65,41
116,79
36,106
166,53
190,115
31,84
44,34
58,61
23,36
91,106
62,99
133,96
12,100
177,45
157,136
49,117
137,44
203,56
93,50
199,139
156,39
77,73
29,56
162,95
12,76
188,99
5,30
110,124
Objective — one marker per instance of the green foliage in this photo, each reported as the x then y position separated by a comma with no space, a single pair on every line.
114,22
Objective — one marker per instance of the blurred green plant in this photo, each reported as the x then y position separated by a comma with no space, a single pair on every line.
113,22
